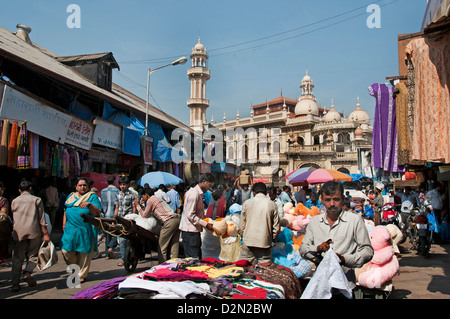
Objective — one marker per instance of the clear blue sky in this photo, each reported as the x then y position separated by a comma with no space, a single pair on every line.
257,48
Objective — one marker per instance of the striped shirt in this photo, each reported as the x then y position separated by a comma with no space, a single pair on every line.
157,207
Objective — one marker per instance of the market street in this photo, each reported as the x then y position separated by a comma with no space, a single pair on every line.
419,278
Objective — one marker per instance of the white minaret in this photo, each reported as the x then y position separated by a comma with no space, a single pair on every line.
198,74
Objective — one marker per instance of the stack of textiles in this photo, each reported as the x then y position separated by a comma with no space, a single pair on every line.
191,278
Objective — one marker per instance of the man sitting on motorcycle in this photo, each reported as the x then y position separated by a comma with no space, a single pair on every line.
410,199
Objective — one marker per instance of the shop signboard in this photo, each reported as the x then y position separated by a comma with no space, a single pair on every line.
41,119
79,133
265,180
107,134
223,168
147,149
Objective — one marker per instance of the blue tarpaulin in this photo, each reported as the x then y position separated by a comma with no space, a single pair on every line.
133,129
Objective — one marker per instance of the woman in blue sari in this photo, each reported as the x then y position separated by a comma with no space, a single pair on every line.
79,240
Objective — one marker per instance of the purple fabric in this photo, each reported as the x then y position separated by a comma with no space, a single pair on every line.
100,291
384,138
170,275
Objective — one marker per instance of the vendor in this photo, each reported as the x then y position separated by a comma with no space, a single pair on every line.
169,236
341,230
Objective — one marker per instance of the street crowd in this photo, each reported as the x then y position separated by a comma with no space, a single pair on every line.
184,213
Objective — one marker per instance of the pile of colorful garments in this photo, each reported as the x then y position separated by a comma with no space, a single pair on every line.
208,278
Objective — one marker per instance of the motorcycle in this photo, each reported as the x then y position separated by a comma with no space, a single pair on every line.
421,231
390,214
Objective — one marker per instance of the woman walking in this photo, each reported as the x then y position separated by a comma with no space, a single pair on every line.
79,240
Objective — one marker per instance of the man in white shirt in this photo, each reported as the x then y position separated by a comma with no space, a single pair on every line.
343,231
160,193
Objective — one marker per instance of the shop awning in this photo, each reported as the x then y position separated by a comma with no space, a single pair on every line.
133,129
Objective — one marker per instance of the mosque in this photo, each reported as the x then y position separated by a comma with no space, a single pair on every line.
285,134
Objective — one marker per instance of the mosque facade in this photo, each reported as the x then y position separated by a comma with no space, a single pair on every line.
285,134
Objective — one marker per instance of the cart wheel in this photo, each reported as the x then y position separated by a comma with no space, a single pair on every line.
131,259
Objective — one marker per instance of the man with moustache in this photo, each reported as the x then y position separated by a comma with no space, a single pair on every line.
341,230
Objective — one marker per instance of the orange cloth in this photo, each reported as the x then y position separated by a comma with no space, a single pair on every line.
432,98
13,145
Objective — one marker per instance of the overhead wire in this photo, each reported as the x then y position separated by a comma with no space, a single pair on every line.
269,36
265,38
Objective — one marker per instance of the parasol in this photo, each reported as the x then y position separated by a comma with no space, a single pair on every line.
318,176
154,179
298,172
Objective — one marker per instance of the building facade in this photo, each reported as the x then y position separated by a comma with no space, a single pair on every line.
284,134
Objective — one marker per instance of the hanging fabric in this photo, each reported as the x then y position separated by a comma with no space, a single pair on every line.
5,142
13,145
23,153
431,141
403,137
384,139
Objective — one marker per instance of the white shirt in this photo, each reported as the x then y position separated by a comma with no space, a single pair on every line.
162,195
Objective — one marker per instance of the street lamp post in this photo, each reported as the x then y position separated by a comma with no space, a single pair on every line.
181,60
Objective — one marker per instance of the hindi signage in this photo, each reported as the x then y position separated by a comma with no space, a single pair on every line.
41,119
80,133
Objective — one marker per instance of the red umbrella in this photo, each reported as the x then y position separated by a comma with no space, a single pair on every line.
318,176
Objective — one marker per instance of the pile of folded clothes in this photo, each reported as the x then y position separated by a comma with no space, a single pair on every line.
209,278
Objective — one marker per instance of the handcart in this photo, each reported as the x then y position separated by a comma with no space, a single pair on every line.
140,240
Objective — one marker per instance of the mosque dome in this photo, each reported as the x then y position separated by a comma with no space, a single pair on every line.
358,132
359,115
306,105
332,115
307,101
199,47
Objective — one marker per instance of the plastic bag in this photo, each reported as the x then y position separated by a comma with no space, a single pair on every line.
47,256
327,277
230,251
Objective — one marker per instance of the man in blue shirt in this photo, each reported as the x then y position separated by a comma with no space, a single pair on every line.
286,195
174,198
313,201
109,203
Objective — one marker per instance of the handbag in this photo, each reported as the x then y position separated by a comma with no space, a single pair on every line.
47,256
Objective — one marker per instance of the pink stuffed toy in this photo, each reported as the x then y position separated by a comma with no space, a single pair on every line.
384,264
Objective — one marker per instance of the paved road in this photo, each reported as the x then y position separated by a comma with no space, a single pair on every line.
419,278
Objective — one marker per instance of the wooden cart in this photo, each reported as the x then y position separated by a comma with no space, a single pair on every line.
140,240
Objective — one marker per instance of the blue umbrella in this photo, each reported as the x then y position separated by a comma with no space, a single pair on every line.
154,179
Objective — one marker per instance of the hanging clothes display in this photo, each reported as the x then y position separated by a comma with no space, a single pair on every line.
13,145
34,149
431,137
23,152
384,139
5,143
403,137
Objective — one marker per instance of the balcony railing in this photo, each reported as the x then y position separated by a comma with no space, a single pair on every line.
310,148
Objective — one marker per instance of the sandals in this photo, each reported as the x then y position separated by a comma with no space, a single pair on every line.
120,264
